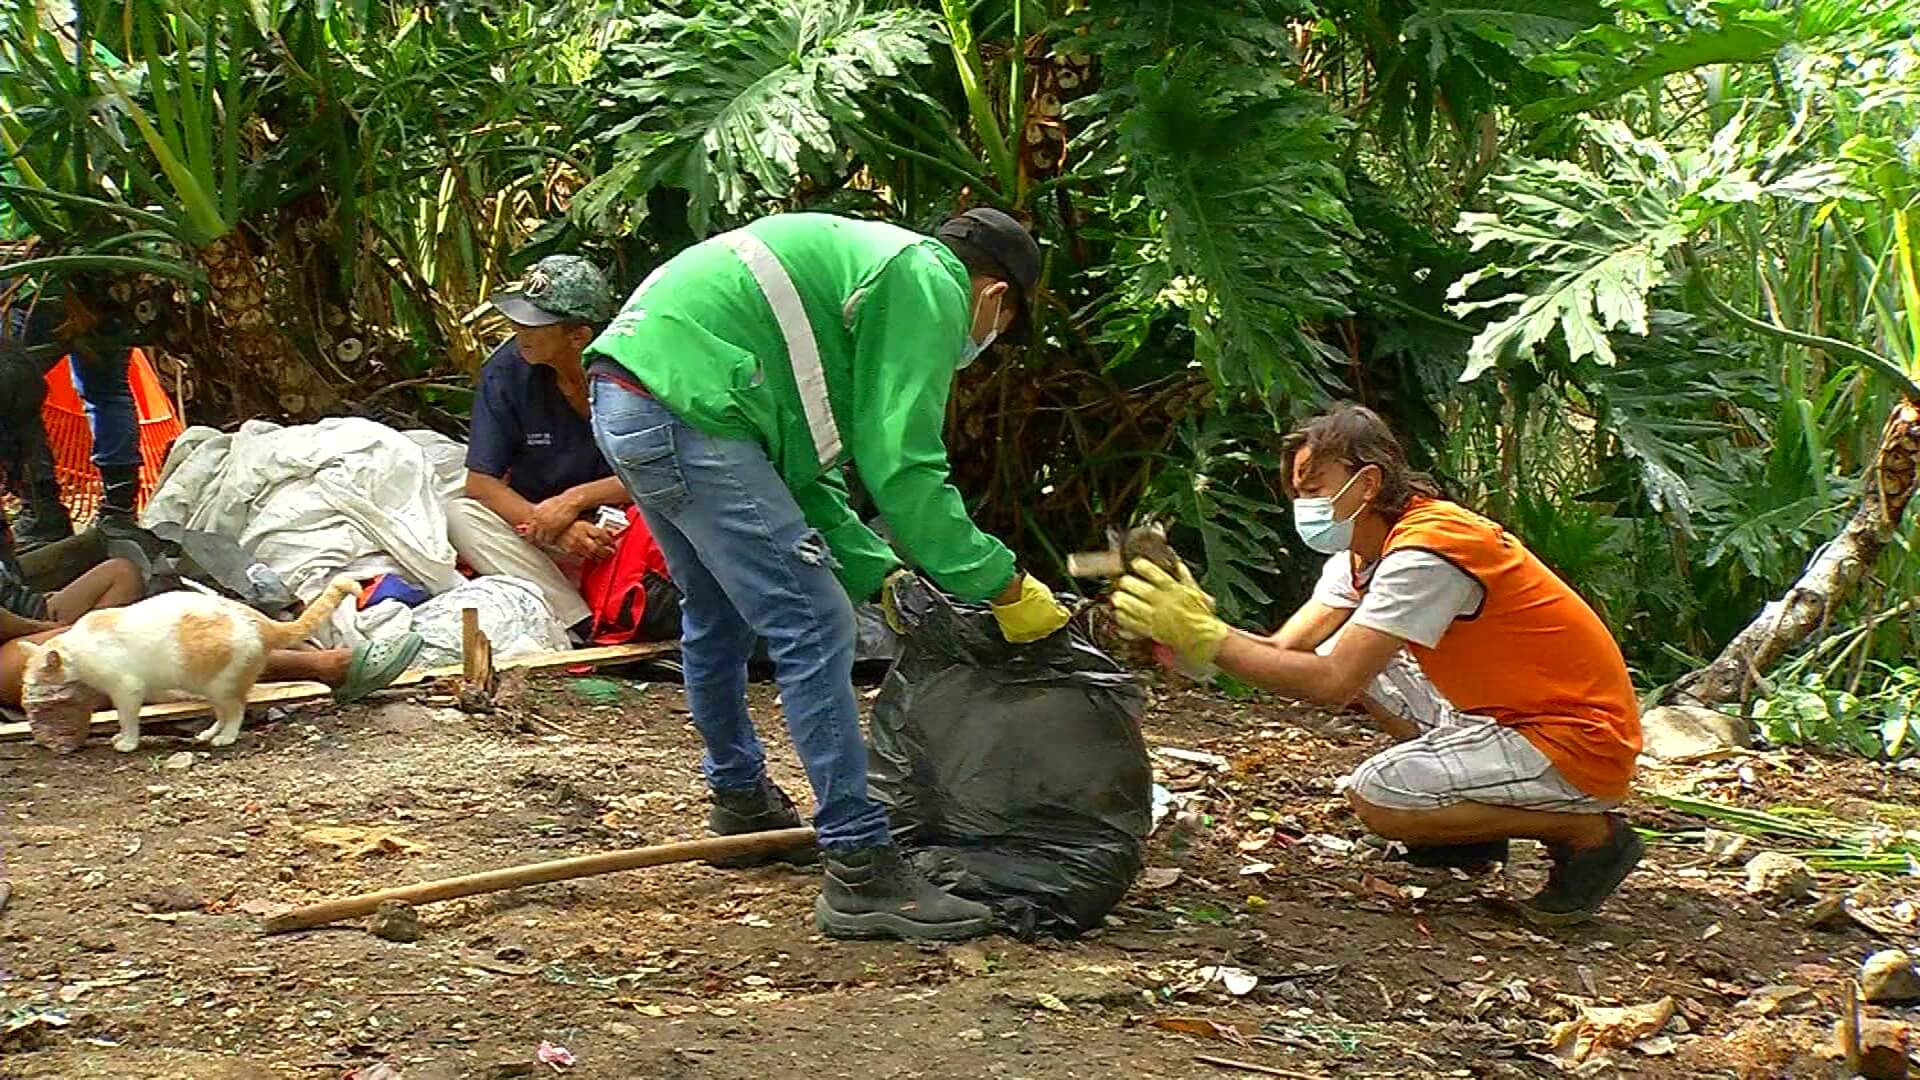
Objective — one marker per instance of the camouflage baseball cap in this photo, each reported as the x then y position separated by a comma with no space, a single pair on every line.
559,288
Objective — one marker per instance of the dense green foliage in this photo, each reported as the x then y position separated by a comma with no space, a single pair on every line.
1636,277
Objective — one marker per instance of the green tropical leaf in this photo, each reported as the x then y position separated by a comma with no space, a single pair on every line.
741,105
1243,197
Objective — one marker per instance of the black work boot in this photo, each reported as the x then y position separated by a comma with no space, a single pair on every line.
119,505
1581,880
756,809
44,520
1470,857
875,893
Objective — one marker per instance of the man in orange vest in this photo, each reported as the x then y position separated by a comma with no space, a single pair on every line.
1511,700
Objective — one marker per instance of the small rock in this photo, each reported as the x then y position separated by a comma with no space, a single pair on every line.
1777,1000
170,898
1778,876
1888,978
1725,848
1686,733
969,959
970,1035
89,941
395,921
1882,1053
1830,913
179,761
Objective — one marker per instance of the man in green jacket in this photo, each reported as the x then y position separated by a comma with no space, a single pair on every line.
726,394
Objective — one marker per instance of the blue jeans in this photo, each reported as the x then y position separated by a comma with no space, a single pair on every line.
101,380
747,563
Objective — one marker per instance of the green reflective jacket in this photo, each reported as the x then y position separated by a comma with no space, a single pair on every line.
823,338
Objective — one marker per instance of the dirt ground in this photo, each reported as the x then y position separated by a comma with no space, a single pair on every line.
130,948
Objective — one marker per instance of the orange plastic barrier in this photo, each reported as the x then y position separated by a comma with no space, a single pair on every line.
65,417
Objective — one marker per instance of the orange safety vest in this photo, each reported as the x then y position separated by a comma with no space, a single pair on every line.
1534,657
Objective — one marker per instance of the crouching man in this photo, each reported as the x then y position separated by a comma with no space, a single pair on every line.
1511,701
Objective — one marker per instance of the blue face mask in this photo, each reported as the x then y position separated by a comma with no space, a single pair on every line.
972,350
1313,519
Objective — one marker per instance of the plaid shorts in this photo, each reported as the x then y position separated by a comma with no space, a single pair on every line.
16,596
1471,760
1457,757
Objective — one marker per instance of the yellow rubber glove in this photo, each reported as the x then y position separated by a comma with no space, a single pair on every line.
889,607
1035,614
1173,611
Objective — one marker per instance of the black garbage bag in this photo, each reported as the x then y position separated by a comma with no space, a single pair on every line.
209,559
1015,774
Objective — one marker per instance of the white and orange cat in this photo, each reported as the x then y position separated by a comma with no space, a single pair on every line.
209,646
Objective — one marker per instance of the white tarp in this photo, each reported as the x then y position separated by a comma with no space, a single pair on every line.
344,495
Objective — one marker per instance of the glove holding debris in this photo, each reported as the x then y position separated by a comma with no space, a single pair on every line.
1032,614
889,606
1173,611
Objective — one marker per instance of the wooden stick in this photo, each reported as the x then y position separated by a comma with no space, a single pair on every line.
294,693
476,654
428,892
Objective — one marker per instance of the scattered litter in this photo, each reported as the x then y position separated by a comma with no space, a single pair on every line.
1600,1028
554,1055
1777,1000
1236,981
1195,757
1163,804
179,761
353,841
1159,877
1050,1002
73,992
1337,845
1256,841
1201,1027
1254,869
28,1026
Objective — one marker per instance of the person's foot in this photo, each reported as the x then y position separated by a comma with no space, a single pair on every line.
762,808
374,665
1582,879
40,524
875,893
1469,857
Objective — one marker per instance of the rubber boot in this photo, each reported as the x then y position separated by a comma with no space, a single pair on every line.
756,809
119,505
44,520
875,893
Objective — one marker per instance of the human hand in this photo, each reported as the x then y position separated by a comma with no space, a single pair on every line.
550,520
1033,615
586,542
1173,611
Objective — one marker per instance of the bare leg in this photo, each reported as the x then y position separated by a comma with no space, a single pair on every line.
327,666
1473,823
114,583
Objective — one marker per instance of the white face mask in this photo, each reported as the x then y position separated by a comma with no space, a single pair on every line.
1313,519
972,350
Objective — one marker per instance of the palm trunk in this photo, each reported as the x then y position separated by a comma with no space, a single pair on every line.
270,375
1827,582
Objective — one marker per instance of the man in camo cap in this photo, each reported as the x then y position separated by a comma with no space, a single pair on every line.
535,478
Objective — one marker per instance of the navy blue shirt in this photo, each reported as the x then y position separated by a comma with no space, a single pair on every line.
525,431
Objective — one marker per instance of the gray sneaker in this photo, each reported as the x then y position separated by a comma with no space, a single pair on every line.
874,893
756,809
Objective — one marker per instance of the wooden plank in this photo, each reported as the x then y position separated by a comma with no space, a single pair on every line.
302,692
476,655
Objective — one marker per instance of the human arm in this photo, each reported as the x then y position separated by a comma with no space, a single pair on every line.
862,560
18,626
907,333
1311,623
1177,613
550,518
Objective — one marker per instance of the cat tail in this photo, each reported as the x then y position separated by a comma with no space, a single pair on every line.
286,635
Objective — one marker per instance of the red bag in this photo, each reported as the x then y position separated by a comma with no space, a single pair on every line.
631,594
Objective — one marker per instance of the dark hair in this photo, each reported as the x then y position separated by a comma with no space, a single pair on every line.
977,262
1356,436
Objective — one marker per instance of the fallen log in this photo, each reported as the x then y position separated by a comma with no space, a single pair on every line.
513,877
